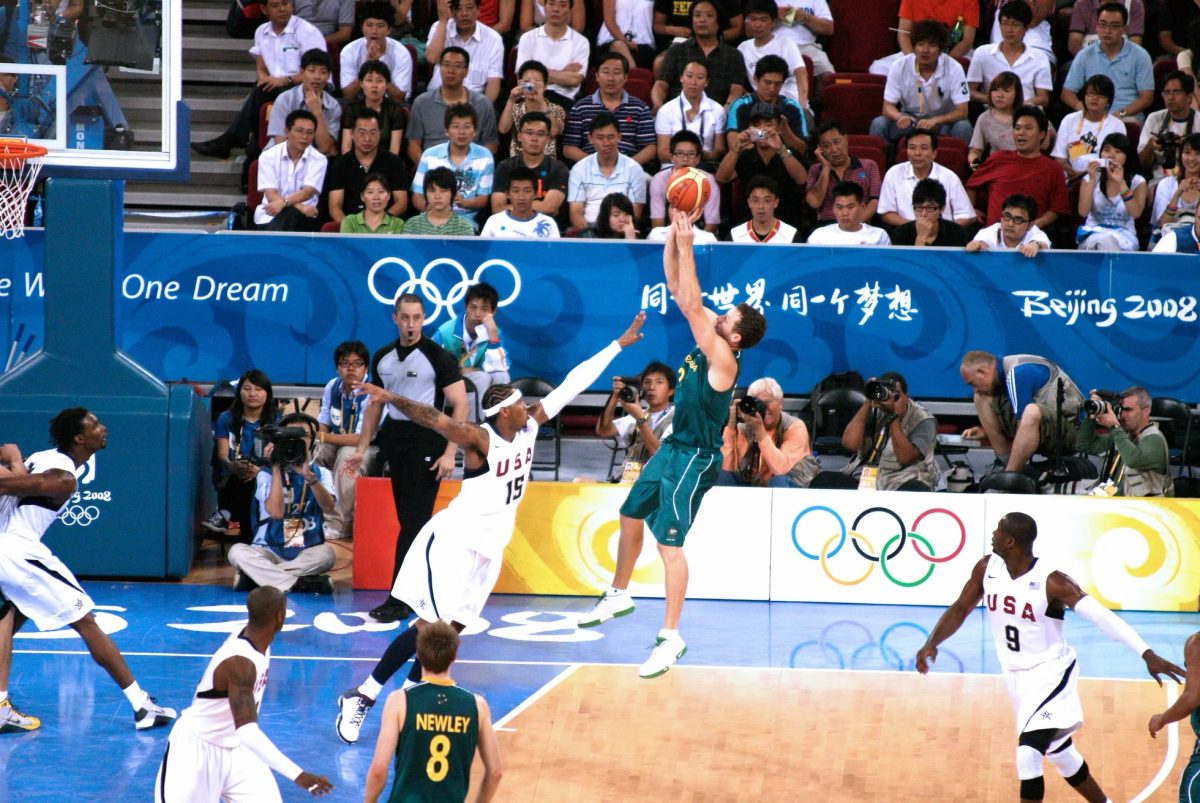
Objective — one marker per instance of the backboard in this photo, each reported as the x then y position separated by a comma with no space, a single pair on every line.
98,83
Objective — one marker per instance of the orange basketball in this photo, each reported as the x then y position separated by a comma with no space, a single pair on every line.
687,189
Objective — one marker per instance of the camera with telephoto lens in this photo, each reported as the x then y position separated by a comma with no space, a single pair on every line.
1108,399
290,448
1169,141
749,406
629,393
879,390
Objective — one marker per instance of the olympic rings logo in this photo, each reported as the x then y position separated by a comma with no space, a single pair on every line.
78,514
422,285
858,540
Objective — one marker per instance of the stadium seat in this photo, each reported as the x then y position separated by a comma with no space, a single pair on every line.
1008,482
863,32
854,105
867,140
1133,129
640,82
330,227
876,155
808,70
1175,420
264,118
335,58
852,78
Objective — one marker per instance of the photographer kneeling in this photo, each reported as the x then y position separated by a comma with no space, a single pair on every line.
1137,462
894,437
764,446
639,432
294,494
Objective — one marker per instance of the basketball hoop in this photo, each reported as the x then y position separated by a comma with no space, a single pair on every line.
20,163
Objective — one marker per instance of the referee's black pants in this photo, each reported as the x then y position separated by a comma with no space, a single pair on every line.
410,450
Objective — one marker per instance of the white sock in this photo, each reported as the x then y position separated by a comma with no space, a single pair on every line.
3,695
613,591
370,688
408,684
136,697
669,635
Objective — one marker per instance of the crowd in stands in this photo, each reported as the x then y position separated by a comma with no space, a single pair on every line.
438,116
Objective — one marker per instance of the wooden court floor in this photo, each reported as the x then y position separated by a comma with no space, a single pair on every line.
599,733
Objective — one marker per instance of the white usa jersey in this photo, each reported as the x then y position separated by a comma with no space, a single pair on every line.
486,505
29,517
1026,628
209,717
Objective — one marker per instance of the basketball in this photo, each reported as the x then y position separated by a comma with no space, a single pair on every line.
687,189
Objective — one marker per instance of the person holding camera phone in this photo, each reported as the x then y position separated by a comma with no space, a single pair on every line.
639,431
1137,460
764,446
894,437
760,151
294,494
1166,129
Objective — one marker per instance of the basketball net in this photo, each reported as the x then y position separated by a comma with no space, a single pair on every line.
20,163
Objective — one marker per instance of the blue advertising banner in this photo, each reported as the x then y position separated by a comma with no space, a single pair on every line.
207,306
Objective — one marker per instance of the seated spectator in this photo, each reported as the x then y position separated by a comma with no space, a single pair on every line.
310,94
1137,457
520,220
726,70
1177,197
1179,240
335,21
1175,20
289,550
627,28
440,186
529,96
948,13
374,78
1082,26
533,14
895,194
375,21
1178,118
673,23
347,176
614,221
1081,132
1011,54
499,15
1014,230
767,450
759,151
340,422
684,152
692,111
763,41
803,24
290,177
551,176
1025,171
234,470
915,80
472,164
762,196
1037,32
834,165
604,172
373,217
278,45
639,432
458,25
563,50
632,115
849,228
928,228
1125,64
794,127
474,340
428,122
896,441
1112,198
994,128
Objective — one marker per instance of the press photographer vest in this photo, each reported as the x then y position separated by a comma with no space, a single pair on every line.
892,474
637,445
800,474
1147,482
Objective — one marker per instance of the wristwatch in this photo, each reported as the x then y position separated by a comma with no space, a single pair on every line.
645,420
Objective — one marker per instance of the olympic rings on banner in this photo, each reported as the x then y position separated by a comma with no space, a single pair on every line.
892,547
422,285
79,515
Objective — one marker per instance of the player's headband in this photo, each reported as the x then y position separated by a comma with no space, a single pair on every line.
507,401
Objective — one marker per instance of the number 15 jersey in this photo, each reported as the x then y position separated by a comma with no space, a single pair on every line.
1026,628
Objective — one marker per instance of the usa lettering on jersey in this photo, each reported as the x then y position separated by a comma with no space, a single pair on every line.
516,463
1009,606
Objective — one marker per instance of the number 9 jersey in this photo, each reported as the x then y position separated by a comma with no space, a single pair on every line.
1026,628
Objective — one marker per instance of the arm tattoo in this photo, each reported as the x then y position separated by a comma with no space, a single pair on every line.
239,684
421,414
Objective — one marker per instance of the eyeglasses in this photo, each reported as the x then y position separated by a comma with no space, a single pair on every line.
686,154
1110,26
1020,221
927,208
351,364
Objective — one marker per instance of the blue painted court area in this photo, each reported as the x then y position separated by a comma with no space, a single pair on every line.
87,748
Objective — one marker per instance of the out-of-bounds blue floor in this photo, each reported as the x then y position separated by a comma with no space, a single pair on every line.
88,750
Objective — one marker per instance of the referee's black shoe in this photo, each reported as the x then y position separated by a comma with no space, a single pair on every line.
392,610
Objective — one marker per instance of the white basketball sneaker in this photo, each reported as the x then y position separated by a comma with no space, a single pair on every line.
13,721
152,715
353,706
607,607
663,657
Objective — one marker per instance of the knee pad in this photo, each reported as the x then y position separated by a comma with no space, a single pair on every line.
1033,789
1069,763
1029,763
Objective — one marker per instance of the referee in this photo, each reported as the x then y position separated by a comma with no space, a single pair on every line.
418,458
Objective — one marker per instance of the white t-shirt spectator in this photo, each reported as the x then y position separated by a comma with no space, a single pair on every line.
786,49
503,224
281,52
701,237
895,194
708,124
801,34
834,235
994,238
1038,36
396,57
633,16
486,49
1079,139
573,48
276,171
944,90
1032,67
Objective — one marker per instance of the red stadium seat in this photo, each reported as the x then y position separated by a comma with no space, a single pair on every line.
868,141
862,33
640,83
335,58
876,155
330,227
1133,128
808,69
854,105
264,118
852,78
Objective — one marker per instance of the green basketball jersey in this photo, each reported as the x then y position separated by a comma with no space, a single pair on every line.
700,411
437,745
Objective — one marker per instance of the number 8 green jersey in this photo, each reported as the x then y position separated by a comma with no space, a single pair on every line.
437,744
